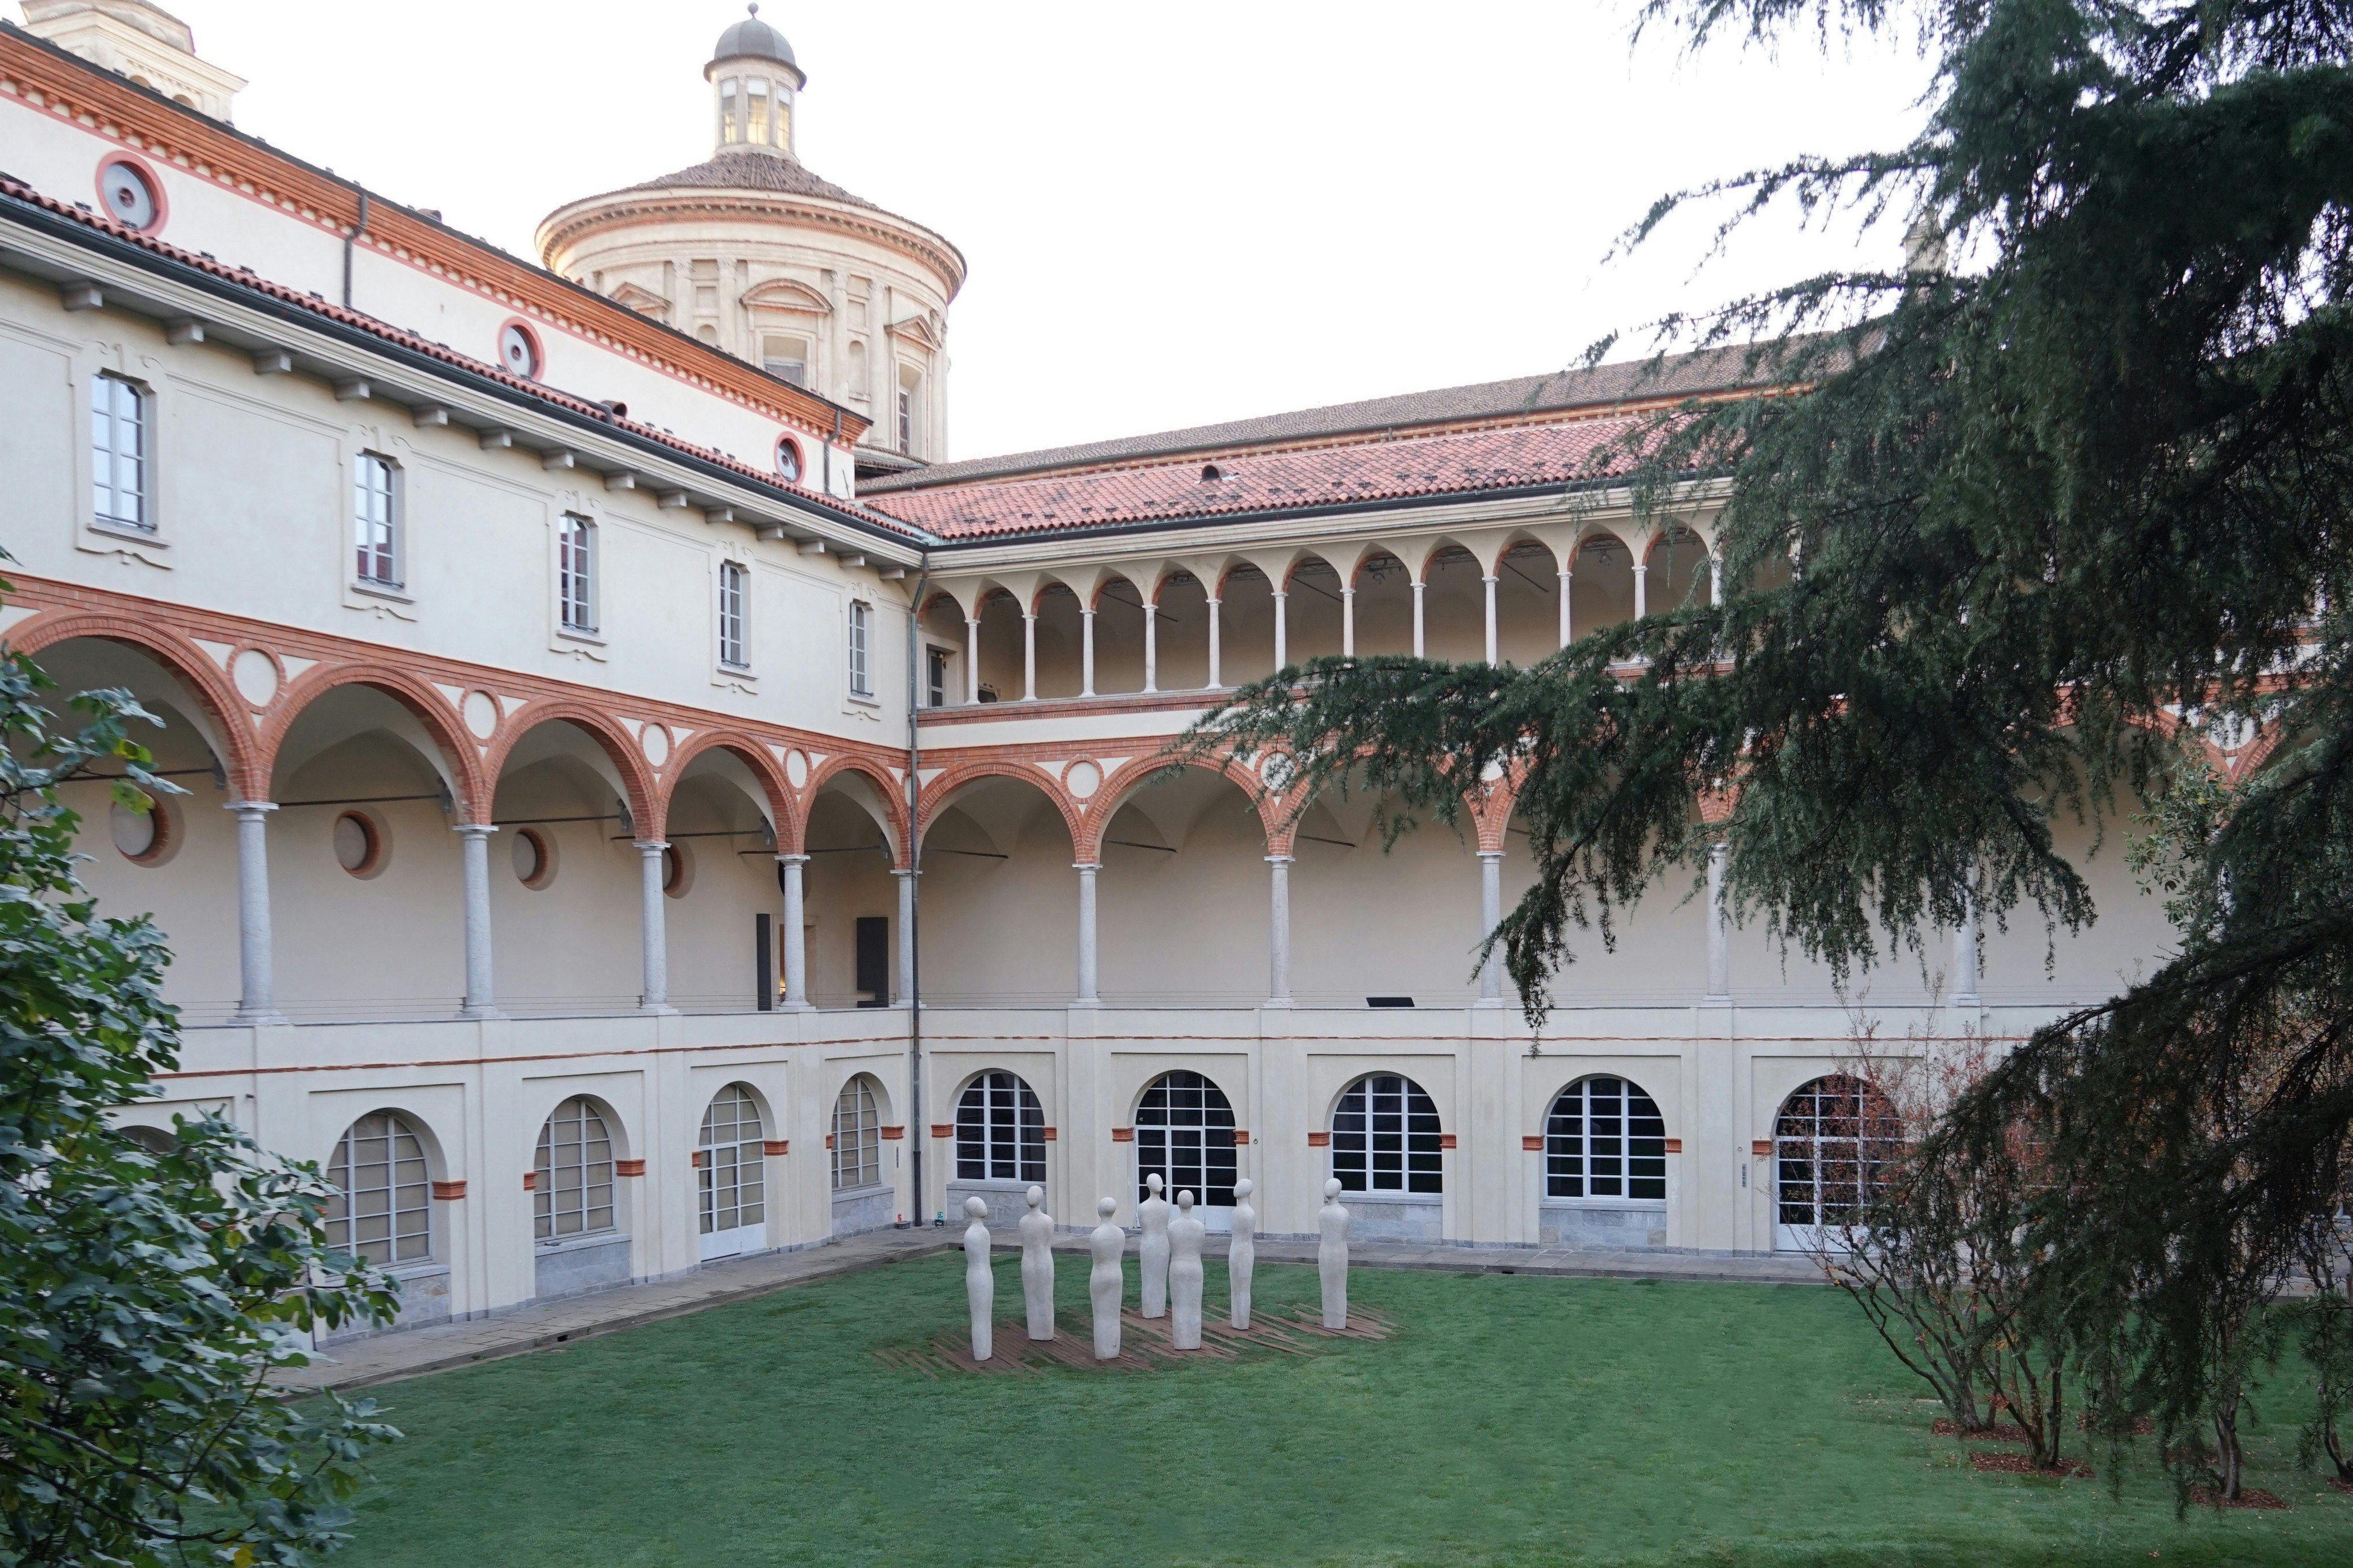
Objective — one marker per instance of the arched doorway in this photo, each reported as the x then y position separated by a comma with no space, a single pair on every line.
1185,1135
1831,1143
730,1176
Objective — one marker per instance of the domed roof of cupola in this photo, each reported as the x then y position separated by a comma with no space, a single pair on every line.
751,38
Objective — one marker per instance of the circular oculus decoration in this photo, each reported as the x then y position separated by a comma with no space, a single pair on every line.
130,194
519,351
788,458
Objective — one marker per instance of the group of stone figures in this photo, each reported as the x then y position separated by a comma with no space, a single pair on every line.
1170,1253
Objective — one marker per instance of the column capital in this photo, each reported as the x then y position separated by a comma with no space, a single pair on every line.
904,871
1487,577
1492,854
792,860
647,846
474,829
253,808
1280,859
1086,865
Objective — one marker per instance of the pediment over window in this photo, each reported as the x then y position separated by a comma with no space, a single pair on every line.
641,300
918,330
783,294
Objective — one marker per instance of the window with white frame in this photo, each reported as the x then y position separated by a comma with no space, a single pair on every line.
1000,1132
732,1182
575,572
1832,1142
857,1137
906,418
1385,1137
1185,1135
118,453
733,580
572,1184
381,1211
1605,1138
935,680
861,675
375,521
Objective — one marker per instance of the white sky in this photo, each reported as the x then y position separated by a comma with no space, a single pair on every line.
1174,213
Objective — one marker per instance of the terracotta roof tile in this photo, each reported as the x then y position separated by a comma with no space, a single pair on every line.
753,172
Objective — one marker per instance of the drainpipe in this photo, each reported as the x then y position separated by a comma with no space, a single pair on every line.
349,240
916,1124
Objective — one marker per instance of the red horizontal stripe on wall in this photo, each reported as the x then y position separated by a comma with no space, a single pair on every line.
943,1130
783,1145
1122,1135
1048,1135
1242,1137
1319,1139
1674,1145
451,1191
1446,1140
1532,1141
895,1134
629,1167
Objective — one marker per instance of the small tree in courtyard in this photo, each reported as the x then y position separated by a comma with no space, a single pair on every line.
143,1296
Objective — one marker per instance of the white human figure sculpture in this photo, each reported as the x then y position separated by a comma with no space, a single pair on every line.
1185,1234
1152,1251
980,1284
1241,1254
1107,1280
1332,1256
1037,1266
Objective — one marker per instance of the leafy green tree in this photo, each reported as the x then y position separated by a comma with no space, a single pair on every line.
1996,533
143,1296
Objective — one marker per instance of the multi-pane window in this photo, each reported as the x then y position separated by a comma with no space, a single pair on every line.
1831,1144
937,678
383,1208
729,125
572,1191
118,453
862,677
1184,1134
906,419
1385,1137
1605,1138
731,579
731,1161
375,523
575,572
1000,1132
756,110
857,1137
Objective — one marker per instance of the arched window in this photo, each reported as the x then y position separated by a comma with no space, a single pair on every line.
571,1191
1385,1137
1830,1146
857,1137
1605,1138
1185,1133
382,1212
1000,1132
730,1174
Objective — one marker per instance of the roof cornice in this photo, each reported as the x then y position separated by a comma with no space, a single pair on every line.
577,220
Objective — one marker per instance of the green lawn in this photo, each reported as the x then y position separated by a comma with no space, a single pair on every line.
1513,1419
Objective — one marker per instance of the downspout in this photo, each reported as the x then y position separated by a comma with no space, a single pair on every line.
351,239
829,446
918,1126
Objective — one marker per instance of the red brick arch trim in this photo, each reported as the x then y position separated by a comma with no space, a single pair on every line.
206,680
425,703
645,804
791,826
1273,811
886,785
939,792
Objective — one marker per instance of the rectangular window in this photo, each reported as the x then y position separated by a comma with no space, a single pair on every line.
375,520
860,681
731,615
118,453
907,419
575,572
937,678
756,114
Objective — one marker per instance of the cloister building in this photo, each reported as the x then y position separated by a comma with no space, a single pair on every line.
601,709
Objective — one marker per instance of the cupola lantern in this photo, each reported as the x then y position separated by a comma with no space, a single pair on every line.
754,79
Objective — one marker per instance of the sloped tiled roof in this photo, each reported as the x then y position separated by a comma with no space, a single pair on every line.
1681,375
753,172
1496,458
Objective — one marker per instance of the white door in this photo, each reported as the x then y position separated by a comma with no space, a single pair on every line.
733,1215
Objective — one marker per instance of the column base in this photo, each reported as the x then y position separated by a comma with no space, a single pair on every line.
1488,1002
655,1009
1725,1001
257,1020
795,1007
1088,1002
479,1012
1281,1002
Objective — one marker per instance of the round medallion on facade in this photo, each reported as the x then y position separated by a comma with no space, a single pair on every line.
1083,779
255,675
132,196
480,711
146,837
1277,770
789,459
654,740
519,349
797,768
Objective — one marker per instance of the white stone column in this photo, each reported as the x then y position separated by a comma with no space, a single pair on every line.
1719,928
1348,622
474,847
653,928
906,934
1490,915
1277,946
1417,618
1490,581
1029,655
1086,870
972,658
1641,590
1215,620
259,1003
1966,956
796,935
1151,646
1567,581
1087,652
1282,631
1715,579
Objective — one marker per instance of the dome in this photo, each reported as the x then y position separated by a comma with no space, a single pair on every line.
751,38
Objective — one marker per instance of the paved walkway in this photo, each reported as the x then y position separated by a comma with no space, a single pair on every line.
416,1352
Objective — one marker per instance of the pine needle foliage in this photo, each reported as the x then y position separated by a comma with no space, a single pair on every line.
145,1297
2001,531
